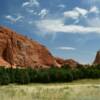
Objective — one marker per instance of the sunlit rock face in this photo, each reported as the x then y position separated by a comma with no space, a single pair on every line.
17,50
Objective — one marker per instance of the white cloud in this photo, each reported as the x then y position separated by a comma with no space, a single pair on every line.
43,13
34,2
94,9
75,13
81,11
66,48
31,11
55,26
61,6
25,4
31,3
13,19
71,14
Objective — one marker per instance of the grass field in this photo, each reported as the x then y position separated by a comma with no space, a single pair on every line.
77,90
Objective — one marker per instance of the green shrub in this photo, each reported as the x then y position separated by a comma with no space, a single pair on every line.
4,77
53,74
43,76
32,74
22,76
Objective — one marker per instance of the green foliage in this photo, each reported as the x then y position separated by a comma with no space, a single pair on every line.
32,75
4,77
21,76
43,76
11,73
66,66
53,74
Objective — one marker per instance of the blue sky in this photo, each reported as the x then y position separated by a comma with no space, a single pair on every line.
69,28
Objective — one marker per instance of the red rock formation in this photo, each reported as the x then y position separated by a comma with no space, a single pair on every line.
59,60
97,58
17,50
72,63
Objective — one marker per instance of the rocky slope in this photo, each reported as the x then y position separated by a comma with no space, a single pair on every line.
18,50
72,63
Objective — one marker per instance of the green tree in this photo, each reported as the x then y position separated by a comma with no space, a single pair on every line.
4,77
22,76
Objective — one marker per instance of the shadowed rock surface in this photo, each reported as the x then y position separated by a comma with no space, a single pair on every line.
97,58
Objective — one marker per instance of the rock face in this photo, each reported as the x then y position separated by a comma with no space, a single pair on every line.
59,60
18,50
97,58
72,63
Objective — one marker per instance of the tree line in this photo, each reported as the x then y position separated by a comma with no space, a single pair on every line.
51,75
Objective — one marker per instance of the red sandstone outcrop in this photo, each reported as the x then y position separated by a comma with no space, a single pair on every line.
17,50
59,60
72,63
97,59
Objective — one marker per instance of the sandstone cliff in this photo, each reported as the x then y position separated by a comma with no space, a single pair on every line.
18,50
97,58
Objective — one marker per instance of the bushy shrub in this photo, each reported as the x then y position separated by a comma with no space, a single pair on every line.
11,73
22,76
92,73
97,66
32,74
60,75
4,77
43,76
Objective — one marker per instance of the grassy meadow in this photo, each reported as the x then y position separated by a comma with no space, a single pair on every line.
77,90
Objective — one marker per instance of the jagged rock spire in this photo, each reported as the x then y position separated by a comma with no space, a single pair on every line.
97,58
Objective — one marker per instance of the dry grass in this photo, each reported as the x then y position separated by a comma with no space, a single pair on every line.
78,90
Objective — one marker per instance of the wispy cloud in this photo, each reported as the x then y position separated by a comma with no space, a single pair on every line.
94,9
61,6
30,10
75,13
55,26
43,13
13,19
65,48
31,3
25,4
